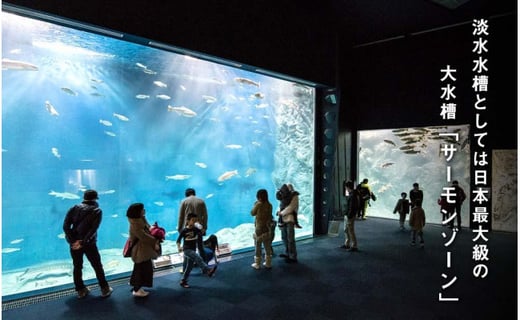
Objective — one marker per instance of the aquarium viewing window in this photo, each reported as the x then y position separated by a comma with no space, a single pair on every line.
138,123
394,159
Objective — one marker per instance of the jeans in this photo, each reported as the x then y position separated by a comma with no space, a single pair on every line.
289,240
92,254
191,257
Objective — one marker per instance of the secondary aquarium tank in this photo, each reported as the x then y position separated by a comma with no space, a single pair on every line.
137,123
394,159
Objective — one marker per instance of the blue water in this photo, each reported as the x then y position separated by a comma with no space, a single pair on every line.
110,128
393,159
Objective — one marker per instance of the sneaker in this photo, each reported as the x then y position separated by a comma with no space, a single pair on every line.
256,266
353,249
421,245
83,293
184,284
106,292
297,226
344,247
212,271
412,243
140,293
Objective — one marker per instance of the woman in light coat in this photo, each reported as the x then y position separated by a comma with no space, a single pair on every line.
146,248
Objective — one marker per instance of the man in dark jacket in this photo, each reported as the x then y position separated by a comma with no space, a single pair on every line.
354,202
80,227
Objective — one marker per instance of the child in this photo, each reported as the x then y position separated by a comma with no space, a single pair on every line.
192,240
403,207
417,222
263,213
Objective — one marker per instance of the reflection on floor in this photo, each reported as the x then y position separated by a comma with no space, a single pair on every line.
386,279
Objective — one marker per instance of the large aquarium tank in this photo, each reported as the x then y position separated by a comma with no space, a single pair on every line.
394,159
86,110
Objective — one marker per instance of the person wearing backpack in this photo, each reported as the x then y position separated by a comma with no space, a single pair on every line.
403,207
366,194
353,204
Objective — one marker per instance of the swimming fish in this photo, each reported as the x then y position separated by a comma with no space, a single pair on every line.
258,95
142,96
389,142
16,241
233,146
178,177
183,111
55,152
140,65
111,191
227,175
160,84
247,81
209,196
9,250
8,64
64,195
69,91
386,165
50,108
105,122
159,203
110,133
120,117
201,165
250,171
209,99
163,97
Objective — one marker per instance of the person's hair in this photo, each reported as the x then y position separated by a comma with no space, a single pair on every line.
349,184
191,215
403,194
416,184
290,187
262,195
455,182
134,210
189,192
365,180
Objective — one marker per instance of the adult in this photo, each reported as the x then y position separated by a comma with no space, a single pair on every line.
416,195
193,204
289,203
366,194
353,203
80,226
146,248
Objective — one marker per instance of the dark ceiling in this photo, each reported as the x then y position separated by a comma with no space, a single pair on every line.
272,33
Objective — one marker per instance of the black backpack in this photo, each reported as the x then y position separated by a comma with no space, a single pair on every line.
364,193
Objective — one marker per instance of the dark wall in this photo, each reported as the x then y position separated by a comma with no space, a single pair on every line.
397,83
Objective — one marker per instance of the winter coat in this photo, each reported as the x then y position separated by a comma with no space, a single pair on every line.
417,218
402,206
144,249
291,210
263,213
82,222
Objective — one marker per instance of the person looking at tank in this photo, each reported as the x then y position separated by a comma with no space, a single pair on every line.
288,208
80,226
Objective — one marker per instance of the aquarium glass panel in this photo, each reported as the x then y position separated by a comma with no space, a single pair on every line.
82,110
394,159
